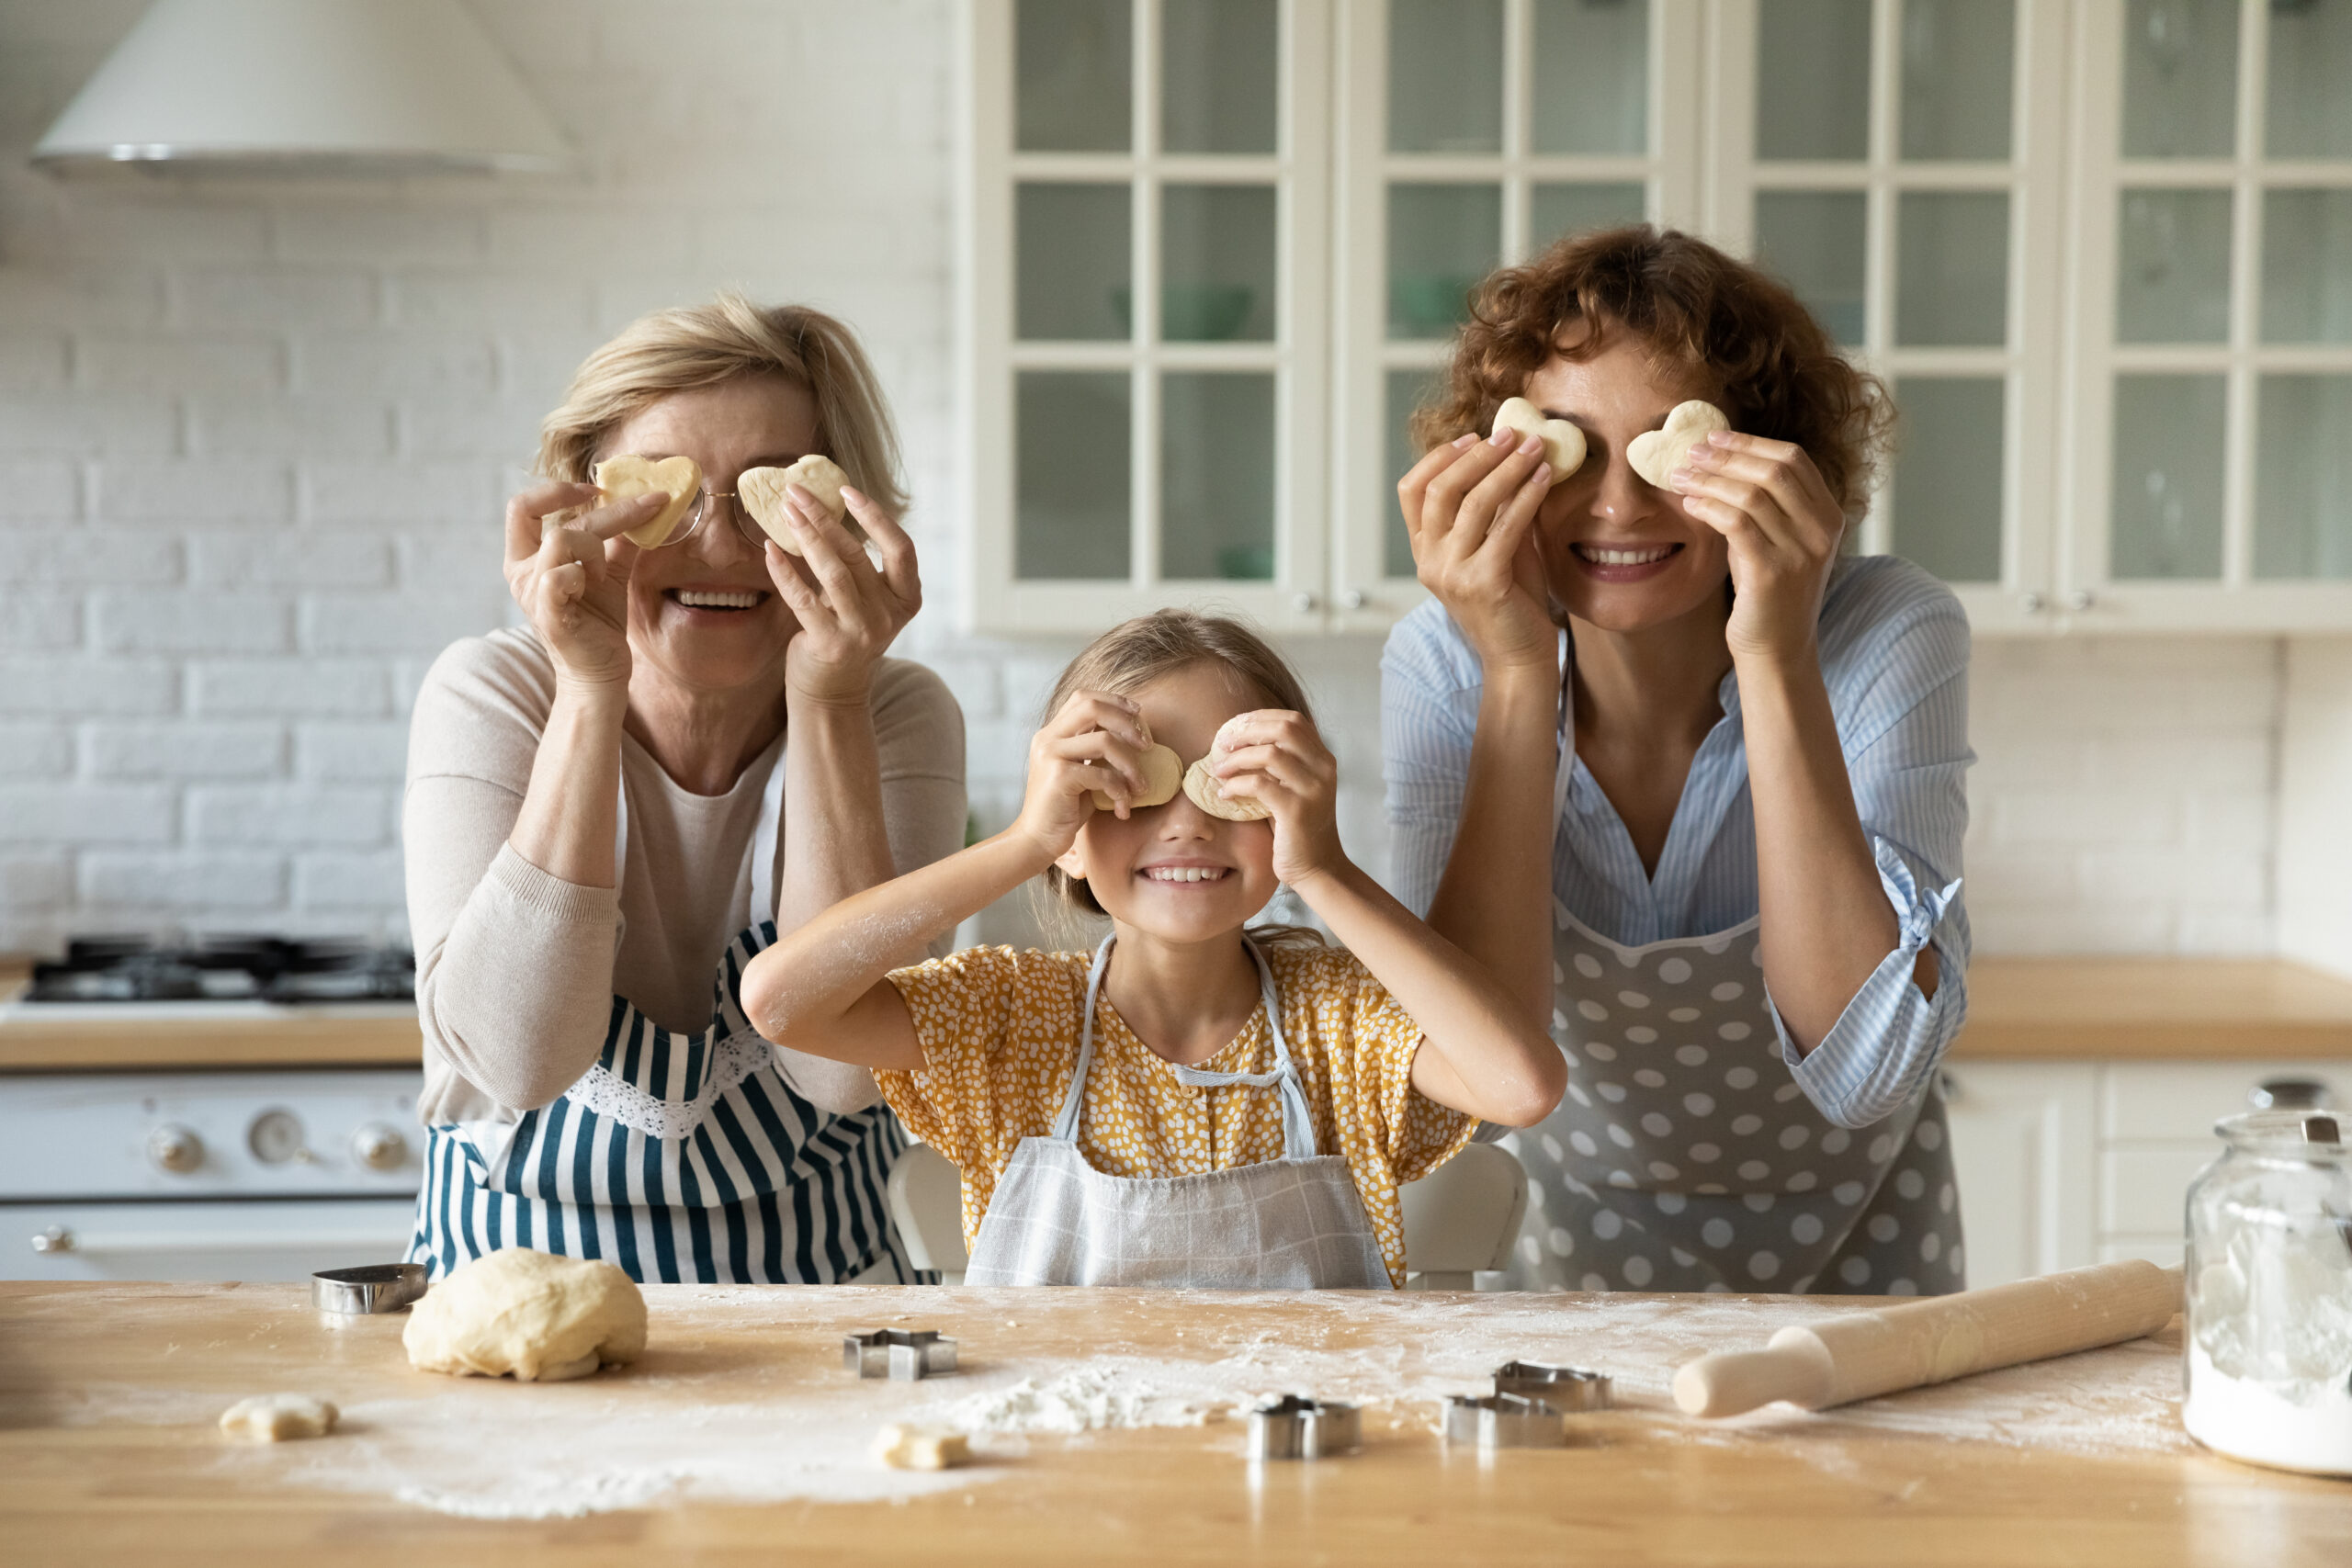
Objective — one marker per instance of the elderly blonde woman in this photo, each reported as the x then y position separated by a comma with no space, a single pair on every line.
690,748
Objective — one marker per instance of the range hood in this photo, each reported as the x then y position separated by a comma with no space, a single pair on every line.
306,86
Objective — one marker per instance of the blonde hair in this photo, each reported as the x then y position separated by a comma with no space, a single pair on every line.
702,345
1134,654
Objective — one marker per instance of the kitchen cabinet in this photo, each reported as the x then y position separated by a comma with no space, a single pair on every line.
2064,1163
2101,252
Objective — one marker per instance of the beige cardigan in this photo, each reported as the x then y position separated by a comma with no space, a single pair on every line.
516,970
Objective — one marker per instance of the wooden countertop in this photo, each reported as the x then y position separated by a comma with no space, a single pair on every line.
740,1436
2019,1009
2153,1008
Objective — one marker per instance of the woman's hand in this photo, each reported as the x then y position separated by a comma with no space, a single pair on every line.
570,575
1274,757
849,610
1470,510
1774,509
1096,742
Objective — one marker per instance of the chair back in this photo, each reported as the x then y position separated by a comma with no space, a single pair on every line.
1463,1217
926,1195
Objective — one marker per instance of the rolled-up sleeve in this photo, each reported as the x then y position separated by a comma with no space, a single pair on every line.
1904,730
1429,715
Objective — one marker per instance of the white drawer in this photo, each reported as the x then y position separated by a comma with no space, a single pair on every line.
2179,1102
2146,1190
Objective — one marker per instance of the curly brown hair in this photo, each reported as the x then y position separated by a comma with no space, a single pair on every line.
1778,374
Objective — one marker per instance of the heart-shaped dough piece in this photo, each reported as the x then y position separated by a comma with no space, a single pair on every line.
1163,773
629,475
1205,789
1563,442
1656,454
762,491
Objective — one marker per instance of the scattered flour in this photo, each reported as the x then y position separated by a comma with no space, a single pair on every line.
741,1395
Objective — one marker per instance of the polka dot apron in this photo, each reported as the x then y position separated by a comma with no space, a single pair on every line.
682,1157
1685,1158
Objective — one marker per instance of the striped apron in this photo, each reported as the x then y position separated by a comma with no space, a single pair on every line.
683,1158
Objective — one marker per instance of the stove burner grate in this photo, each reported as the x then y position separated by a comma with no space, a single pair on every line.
225,968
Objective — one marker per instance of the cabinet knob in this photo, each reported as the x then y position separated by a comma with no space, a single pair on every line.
1304,603
2030,603
379,1147
56,1238
175,1148
1353,599
2080,599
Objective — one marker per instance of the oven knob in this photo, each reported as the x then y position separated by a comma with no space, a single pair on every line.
175,1148
379,1147
56,1238
275,1136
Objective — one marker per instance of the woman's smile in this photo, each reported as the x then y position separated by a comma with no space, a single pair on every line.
717,601
1623,563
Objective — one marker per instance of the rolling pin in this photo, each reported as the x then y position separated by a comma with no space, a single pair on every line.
1840,1359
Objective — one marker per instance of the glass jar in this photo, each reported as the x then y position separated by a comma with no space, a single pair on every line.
2269,1294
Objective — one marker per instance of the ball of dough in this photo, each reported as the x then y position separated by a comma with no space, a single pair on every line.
1656,454
922,1447
529,1315
627,476
1163,773
1207,792
279,1417
763,493
1563,442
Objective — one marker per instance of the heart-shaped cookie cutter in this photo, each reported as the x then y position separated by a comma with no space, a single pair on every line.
1563,1388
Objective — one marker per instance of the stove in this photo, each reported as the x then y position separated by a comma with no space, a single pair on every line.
223,969
205,1172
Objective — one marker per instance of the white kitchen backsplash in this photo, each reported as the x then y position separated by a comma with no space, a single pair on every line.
254,436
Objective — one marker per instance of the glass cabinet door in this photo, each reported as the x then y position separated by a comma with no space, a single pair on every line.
1148,202
2218,347
1890,163
1478,133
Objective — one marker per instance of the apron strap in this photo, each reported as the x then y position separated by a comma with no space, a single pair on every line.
1298,1119
764,834
1566,771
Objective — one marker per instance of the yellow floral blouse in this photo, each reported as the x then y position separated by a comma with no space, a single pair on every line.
1000,1032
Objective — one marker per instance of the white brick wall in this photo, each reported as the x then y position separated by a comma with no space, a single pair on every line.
254,436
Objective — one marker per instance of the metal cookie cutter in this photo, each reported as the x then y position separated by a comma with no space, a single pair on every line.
901,1353
378,1288
1503,1421
1296,1427
1562,1388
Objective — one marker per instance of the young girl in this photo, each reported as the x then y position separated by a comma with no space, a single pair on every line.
1188,1107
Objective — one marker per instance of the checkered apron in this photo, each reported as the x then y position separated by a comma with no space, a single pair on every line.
1296,1223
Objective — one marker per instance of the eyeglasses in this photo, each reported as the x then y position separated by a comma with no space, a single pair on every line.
702,508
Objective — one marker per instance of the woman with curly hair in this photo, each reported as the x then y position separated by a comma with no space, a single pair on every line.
1688,778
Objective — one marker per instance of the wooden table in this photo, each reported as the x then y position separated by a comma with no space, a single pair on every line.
108,1447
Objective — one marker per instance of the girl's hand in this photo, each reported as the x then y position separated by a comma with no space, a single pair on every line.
1470,510
570,575
1773,507
1275,758
849,610
1096,742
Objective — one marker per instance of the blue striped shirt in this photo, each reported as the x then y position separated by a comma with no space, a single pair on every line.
1895,656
